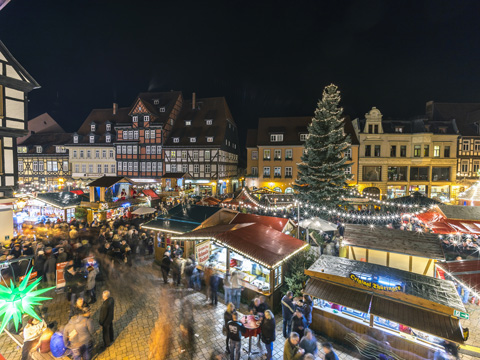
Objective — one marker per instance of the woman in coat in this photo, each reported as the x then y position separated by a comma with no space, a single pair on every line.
268,332
307,308
227,316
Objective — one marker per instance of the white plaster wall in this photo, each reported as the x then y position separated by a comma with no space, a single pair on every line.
12,73
14,94
6,230
15,109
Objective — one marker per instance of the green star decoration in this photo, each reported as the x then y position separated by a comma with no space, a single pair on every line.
15,301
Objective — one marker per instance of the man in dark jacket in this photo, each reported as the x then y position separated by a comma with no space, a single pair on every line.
299,323
166,262
235,329
287,313
106,318
215,282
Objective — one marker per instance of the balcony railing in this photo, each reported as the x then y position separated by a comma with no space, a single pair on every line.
266,159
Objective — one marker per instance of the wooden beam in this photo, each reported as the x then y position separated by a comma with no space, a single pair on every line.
388,259
410,265
348,252
426,267
371,320
353,253
366,255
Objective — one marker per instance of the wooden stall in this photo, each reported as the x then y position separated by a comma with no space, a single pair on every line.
257,251
369,306
405,250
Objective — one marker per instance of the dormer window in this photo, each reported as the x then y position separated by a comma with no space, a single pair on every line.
193,139
146,118
92,127
92,139
108,127
75,139
60,149
276,137
442,130
135,118
156,102
161,109
108,138
176,140
188,122
22,149
303,137
399,129
38,149
210,139
208,121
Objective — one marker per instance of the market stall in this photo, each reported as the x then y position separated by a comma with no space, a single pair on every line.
452,219
257,251
413,313
405,250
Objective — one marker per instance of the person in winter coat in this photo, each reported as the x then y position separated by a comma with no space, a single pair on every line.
78,336
215,282
165,266
227,316
62,255
287,313
291,350
307,308
40,264
92,274
268,332
299,324
177,270
106,318
235,329
309,343
50,267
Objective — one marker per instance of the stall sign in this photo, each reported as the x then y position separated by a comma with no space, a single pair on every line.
375,285
461,314
60,278
203,252
31,278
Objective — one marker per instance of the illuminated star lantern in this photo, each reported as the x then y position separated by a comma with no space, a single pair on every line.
15,301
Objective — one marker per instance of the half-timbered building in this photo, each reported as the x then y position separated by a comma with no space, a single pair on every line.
15,84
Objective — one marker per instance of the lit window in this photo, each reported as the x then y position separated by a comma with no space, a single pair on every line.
192,139
92,127
196,168
277,154
176,139
466,145
210,139
266,154
109,127
108,138
135,118
75,139
436,151
188,122
208,121
92,139
162,109
39,149
399,129
276,137
146,118
303,137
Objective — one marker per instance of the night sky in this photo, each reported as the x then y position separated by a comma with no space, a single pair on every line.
268,58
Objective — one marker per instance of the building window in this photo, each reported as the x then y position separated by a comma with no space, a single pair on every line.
124,149
277,154
195,155
90,169
99,168
375,129
152,134
184,155
112,169
74,154
196,168
125,135
125,165
254,171
193,139
108,138
416,150
108,127
399,129
288,172
348,153
184,167
208,121
276,137
135,134
135,166
377,151
254,155
97,154
142,167
176,140
348,170
20,165
368,150
188,122
419,173
476,167
278,276
147,149
77,168
397,173
162,109
154,167
464,167
92,139
476,145
146,118
89,154
135,119
207,154
303,137
277,172
41,166
403,151
370,129
266,171
60,149
84,168
130,135
104,154
436,151
173,154
426,151
119,150
440,174
393,151
111,154
81,154
159,150
153,150
207,168
92,127
22,149
130,166
39,149
105,169
156,101
372,173
288,154
129,150
210,139
446,151
266,154
75,139
466,145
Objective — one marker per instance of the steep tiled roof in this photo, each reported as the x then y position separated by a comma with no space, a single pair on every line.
415,126
252,138
154,101
41,124
291,127
48,141
464,114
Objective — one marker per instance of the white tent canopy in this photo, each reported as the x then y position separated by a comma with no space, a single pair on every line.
316,223
143,211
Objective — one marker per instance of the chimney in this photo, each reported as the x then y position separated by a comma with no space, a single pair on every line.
193,101
115,108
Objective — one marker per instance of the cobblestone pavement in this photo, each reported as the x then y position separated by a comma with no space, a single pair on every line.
140,300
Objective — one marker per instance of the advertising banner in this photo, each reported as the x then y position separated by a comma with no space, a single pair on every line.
60,279
203,252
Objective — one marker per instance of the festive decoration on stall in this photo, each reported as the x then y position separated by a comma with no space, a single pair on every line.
322,174
15,301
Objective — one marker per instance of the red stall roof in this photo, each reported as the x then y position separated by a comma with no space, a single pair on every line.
78,192
466,271
276,223
149,192
440,224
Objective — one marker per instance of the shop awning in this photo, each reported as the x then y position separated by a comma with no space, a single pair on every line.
337,294
152,194
432,323
61,200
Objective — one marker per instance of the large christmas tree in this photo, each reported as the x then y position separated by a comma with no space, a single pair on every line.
322,179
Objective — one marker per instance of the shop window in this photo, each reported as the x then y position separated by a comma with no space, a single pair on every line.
416,150
372,173
393,151
368,150
266,154
419,173
254,155
288,154
377,150
436,151
397,173
403,151
289,190
446,151
426,151
466,145
278,276
441,174
442,193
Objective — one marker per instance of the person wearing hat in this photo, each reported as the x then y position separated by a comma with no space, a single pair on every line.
16,251
299,323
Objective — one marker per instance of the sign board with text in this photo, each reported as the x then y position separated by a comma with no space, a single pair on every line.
203,252
60,278
461,314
